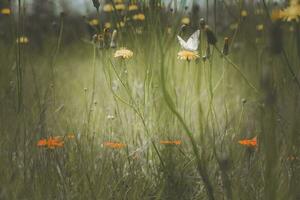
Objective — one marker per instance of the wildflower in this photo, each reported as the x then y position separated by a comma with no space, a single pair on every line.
123,53
175,142
120,6
5,11
225,50
94,22
108,8
292,12
210,36
185,21
114,145
259,27
110,117
276,14
249,143
22,40
107,25
187,55
51,142
133,7
244,13
139,17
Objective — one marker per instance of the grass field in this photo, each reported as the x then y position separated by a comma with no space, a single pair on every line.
152,126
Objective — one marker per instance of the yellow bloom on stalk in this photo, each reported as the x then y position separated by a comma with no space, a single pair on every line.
244,13
187,55
292,12
133,7
22,40
107,25
108,7
94,22
259,27
120,6
185,21
5,11
139,17
123,53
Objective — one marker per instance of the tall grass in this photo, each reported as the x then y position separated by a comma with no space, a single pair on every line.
209,105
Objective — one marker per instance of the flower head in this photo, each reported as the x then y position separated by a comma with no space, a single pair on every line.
185,20
123,53
94,22
249,142
114,145
22,40
5,11
292,12
133,7
120,6
139,17
175,142
51,142
187,55
108,7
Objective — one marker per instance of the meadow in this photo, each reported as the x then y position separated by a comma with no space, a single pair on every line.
145,119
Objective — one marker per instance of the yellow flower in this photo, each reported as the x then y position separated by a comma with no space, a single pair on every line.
5,11
187,55
107,25
244,13
108,8
276,14
139,17
185,21
292,12
22,40
259,27
120,6
133,7
123,53
94,22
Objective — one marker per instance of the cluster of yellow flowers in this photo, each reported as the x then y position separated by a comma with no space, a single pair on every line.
290,13
119,7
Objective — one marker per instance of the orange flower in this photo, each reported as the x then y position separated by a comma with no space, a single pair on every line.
114,145
249,143
176,142
51,142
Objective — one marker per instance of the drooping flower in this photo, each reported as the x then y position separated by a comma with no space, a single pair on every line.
123,53
259,27
187,55
107,25
249,142
70,135
114,145
5,11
